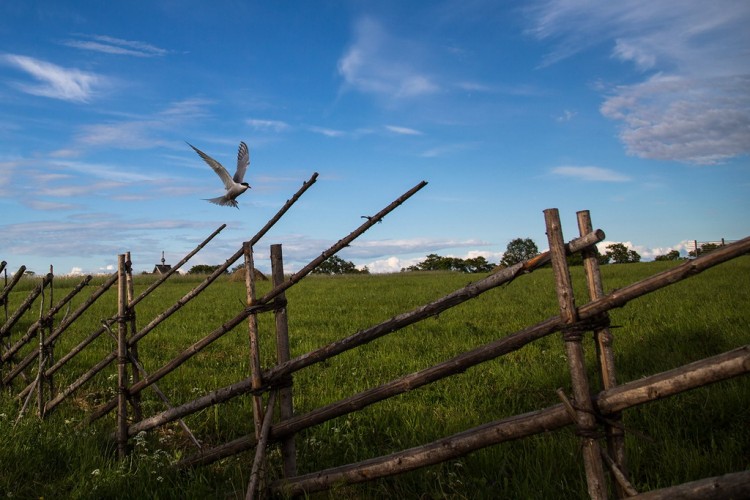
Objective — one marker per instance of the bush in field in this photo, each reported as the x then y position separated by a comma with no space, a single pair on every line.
203,269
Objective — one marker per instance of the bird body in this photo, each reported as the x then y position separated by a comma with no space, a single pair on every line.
234,186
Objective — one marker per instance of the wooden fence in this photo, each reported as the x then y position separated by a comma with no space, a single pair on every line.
605,466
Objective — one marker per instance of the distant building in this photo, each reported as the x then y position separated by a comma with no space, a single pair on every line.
162,268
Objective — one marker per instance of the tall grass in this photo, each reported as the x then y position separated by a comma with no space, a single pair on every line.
697,434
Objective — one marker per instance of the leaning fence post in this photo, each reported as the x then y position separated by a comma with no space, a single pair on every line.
605,354
252,326
286,408
573,334
122,359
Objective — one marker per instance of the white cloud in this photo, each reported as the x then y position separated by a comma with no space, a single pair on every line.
692,120
594,174
56,82
379,63
402,130
112,45
272,125
695,106
328,132
447,149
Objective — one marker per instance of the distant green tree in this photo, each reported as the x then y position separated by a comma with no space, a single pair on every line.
337,265
203,269
478,265
618,253
671,255
435,262
518,250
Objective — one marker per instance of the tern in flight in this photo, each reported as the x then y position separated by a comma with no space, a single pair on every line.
235,186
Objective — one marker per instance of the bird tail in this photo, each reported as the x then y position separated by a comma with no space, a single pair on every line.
224,202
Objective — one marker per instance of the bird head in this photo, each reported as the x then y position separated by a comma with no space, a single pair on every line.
246,184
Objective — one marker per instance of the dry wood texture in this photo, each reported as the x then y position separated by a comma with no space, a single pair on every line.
699,373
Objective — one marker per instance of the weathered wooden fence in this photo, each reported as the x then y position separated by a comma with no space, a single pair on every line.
605,466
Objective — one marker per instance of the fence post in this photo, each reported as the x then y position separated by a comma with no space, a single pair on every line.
605,354
133,348
572,335
252,326
122,359
286,408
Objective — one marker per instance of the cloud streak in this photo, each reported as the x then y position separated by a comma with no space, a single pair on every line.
590,174
117,46
55,82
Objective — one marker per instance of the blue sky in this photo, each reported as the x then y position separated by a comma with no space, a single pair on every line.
638,111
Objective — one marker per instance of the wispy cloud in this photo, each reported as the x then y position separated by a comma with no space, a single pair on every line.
328,132
268,125
402,130
56,82
112,45
446,149
591,174
694,107
145,131
379,63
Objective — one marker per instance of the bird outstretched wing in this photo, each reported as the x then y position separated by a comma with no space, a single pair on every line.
218,167
243,160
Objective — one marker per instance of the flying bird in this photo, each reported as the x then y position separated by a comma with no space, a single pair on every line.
235,186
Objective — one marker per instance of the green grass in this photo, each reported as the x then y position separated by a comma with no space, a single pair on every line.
694,435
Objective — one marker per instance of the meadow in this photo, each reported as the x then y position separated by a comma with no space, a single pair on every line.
697,434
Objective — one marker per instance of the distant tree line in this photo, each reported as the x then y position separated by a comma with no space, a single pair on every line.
518,250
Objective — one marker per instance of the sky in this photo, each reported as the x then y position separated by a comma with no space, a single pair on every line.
638,111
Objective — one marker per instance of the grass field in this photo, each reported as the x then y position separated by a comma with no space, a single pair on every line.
698,434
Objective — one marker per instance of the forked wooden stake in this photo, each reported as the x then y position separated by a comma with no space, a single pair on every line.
592,460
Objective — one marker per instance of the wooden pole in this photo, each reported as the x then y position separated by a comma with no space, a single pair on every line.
587,428
256,473
252,328
733,485
283,354
133,358
605,354
659,386
122,360
9,286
